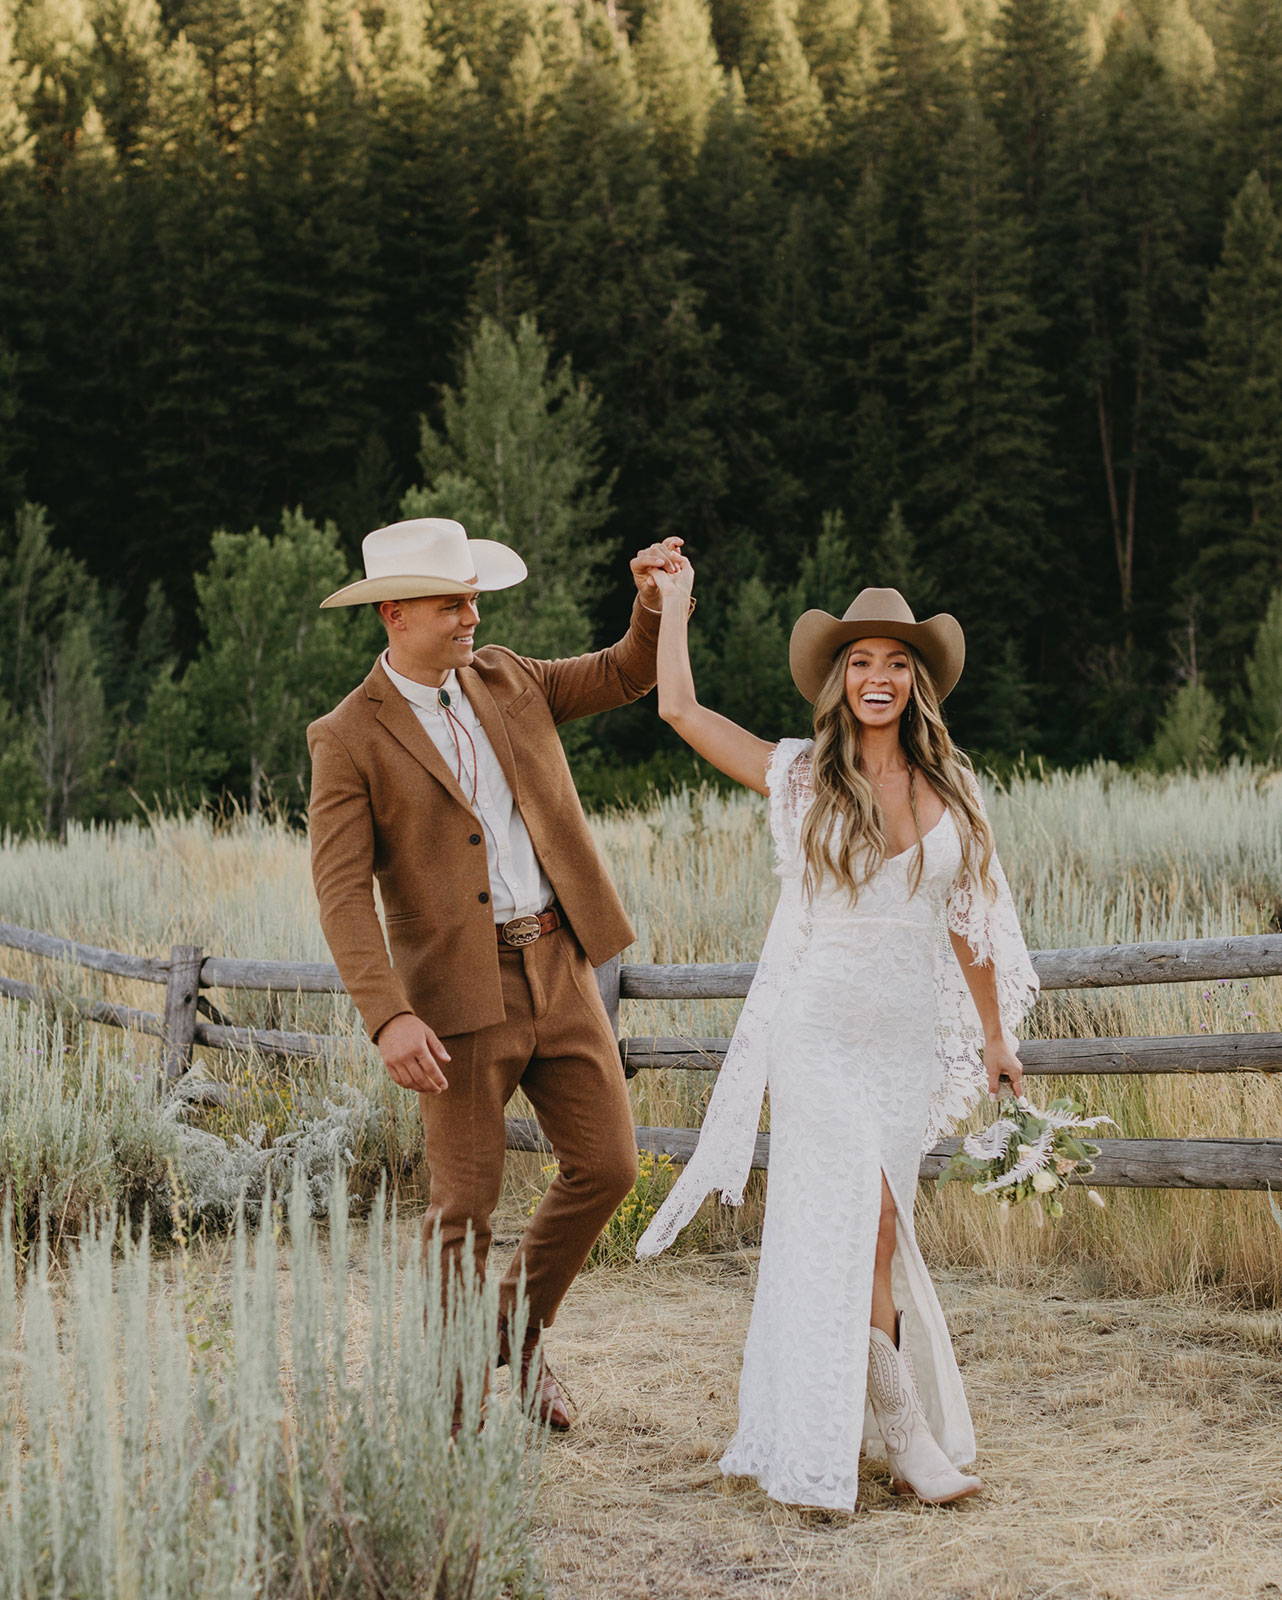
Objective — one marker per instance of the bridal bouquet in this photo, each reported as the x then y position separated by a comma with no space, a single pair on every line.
1029,1153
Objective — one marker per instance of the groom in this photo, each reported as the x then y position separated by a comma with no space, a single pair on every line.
442,777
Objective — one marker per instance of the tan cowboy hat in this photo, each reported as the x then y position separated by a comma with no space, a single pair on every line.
875,614
428,555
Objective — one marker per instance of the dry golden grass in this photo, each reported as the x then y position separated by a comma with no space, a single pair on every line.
1131,1450
1130,1446
1093,857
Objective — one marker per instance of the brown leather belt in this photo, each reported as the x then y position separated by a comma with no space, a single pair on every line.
525,930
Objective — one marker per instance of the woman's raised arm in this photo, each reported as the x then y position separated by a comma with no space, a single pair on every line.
730,748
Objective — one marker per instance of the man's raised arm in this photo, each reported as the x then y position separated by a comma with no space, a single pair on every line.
578,686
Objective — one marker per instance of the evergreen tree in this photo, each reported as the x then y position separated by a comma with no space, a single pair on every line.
1231,519
70,726
308,196
433,152
870,303
519,449
615,296
269,661
1183,45
55,39
40,585
776,75
239,44
1141,187
830,574
18,87
1250,69
151,651
79,405
21,791
169,763
1032,73
727,216
914,110
1189,736
892,563
842,40
746,675
203,345
680,78
984,466
800,357
129,49
11,480
20,282
1264,687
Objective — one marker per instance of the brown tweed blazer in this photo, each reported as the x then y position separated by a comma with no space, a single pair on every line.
385,805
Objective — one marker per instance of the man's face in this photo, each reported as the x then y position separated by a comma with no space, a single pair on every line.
437,632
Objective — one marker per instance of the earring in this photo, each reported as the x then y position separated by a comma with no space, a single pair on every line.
910,711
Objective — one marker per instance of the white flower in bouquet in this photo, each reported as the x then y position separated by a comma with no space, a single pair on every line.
1029,1153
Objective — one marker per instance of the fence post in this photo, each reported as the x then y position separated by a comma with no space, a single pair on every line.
182,990
607,981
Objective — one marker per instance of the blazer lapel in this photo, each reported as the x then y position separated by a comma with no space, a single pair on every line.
493,722
397,716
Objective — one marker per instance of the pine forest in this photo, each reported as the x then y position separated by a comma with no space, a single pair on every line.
981,299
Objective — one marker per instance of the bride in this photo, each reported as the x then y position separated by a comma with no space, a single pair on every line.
894,954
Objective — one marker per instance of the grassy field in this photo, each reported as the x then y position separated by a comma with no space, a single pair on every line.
1122,1367
1094,857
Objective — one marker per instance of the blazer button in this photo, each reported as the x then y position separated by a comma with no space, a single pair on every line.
473,838
483,897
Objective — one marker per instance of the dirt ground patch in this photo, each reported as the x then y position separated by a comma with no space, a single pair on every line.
1132,1450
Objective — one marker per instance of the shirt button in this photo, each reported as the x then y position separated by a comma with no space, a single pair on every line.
483,897
473,838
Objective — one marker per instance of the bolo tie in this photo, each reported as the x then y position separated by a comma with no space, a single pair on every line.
457,727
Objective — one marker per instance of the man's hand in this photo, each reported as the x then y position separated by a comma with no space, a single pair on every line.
654,558
413,1054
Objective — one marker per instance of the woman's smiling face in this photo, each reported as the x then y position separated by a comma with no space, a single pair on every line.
879,681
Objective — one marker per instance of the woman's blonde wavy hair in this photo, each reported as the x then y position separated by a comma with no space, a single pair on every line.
844,836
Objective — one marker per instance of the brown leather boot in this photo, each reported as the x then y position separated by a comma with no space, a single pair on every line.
534,1382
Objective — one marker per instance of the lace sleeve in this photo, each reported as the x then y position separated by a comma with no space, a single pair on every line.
989,923
971,903
727,1139
789,784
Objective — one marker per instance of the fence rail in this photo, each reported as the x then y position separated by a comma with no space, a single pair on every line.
189,1019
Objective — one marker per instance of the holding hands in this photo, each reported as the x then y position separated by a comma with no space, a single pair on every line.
676,580
656,561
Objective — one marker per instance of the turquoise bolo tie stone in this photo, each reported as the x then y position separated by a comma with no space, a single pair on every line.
443,695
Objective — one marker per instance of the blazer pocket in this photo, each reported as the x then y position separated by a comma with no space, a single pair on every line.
515,707
401,916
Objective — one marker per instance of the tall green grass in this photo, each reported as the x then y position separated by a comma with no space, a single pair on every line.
196,1429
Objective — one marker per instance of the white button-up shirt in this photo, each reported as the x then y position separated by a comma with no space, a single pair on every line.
518,885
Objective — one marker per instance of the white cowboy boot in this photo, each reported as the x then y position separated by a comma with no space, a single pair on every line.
917,1464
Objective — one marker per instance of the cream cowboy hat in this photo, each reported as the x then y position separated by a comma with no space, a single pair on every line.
875,614
428,555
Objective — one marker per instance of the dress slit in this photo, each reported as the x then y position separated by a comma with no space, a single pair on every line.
925,1340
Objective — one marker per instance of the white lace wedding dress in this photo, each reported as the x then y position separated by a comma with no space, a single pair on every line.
860,1023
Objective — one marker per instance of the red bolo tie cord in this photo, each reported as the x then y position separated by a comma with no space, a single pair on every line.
457,727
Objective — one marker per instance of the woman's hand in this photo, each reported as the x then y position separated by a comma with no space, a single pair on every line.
1001,1060
648,564
678,582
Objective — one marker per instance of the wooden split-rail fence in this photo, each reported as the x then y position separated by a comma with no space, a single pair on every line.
190,1019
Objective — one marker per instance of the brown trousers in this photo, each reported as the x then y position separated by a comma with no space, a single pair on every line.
556,1044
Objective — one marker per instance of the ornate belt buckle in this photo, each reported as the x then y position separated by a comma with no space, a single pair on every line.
520,930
